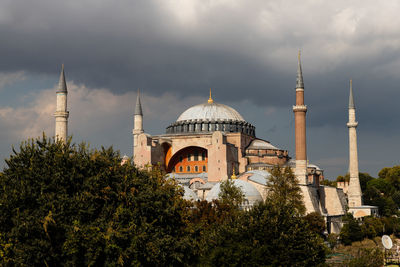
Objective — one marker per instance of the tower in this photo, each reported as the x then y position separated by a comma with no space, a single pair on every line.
137,122
61,114
300,128
354,191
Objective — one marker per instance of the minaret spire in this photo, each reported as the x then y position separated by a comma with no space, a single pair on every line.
61,114
354,192
299,79
351,99
137,123
138,108
300,127
62,85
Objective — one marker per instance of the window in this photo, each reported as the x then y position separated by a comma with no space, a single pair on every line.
203,155
188,169
204,169
196,155
180,169
189,156
196,168
180,158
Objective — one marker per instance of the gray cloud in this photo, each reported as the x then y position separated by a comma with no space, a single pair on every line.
245,50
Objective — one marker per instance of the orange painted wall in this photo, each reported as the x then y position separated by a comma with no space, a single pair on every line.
180,162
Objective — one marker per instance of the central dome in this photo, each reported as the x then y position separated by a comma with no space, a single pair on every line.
210,111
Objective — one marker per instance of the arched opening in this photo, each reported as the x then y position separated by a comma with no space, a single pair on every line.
167,153
191,159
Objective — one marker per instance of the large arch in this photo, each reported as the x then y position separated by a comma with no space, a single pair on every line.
191,159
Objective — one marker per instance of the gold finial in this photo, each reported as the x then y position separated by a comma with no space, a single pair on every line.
233,177
210,100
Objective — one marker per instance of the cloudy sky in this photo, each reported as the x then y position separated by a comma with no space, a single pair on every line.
174,50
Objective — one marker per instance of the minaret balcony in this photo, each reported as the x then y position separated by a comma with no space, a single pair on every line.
352,124
64,114
299,108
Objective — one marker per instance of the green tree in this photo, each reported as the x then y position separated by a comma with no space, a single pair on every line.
230,193
316,222
272,233
329,183
283,188
351,230
63,204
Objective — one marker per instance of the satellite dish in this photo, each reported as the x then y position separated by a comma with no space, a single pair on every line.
387,242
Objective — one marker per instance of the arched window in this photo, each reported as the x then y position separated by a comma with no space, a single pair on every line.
188,169
204,168
196,168
180,169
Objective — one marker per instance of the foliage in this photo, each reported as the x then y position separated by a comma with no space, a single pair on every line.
328,183
271,233
63,203
351,230
366,257
284,189
230,193
316,222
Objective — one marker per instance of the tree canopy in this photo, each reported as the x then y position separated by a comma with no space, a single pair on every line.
65,204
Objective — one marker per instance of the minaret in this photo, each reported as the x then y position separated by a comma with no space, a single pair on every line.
138,122
300,128
61,113
354,191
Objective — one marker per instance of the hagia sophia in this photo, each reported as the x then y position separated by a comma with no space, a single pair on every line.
211,142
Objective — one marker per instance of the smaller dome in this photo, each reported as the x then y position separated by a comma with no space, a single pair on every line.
189,194
251,194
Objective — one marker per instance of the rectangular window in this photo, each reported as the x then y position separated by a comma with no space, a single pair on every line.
204,168
196,168
203,155
196,156
188,168
189,157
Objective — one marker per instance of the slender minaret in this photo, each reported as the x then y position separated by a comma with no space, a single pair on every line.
138,122
354,191
300,128
61,113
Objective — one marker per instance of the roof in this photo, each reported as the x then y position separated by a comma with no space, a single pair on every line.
251,194
210,111
189,194
259,176
261,144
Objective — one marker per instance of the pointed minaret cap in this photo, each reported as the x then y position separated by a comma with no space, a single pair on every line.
299,79
138,108
62,85
351,99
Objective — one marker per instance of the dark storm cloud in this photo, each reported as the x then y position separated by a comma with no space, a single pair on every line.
244,50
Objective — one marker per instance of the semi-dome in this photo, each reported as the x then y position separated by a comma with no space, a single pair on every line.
251,194
210,111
